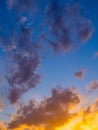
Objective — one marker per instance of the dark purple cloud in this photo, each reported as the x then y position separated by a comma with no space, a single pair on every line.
23,77
67,25
25,61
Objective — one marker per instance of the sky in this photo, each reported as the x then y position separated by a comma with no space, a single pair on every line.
48,65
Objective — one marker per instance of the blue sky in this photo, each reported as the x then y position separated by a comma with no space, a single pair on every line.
42,47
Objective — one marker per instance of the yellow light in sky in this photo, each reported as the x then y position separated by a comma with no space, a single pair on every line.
86,122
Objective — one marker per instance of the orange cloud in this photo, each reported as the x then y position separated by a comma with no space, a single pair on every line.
57,112
52,112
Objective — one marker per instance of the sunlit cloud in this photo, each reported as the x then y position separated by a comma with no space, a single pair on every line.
57,113
51,112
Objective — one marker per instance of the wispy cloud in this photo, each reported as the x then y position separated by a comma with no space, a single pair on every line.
66,22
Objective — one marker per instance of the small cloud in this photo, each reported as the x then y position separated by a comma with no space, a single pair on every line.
80,74
93,85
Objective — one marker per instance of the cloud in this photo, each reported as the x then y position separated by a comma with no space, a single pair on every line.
25,61
85,33
1,106
93,85
67,25
22,77
52,112
59,111
80,74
